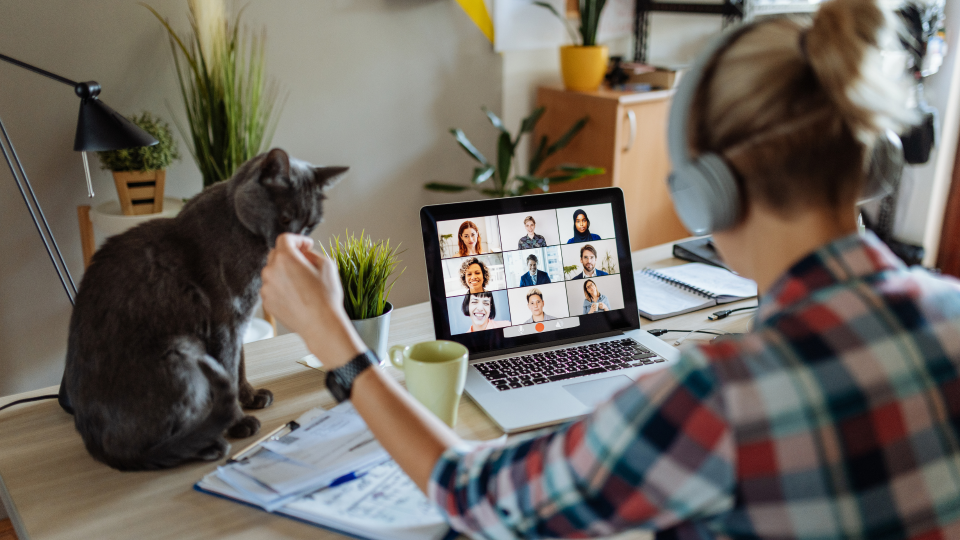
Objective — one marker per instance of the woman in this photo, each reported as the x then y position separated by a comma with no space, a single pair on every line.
535,305
835,417
594,300
474,275
468,238
482,309
531,239
581,228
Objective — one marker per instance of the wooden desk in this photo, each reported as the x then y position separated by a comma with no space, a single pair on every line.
53,489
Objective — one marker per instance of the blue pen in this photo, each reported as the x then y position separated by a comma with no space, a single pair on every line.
347,478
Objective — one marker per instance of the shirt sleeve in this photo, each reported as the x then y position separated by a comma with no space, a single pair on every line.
658,453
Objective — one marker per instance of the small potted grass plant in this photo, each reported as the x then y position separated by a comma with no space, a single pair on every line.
140,173
584,63
365,268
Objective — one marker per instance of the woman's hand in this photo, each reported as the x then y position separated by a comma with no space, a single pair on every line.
593,308
302,289
603,307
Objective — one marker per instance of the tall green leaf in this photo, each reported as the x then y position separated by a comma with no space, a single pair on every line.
530,122
565,139
468,146
231,108
504,159
494,119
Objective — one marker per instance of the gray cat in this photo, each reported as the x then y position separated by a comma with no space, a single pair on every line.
155,370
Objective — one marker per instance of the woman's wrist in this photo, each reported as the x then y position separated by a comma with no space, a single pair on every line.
334,342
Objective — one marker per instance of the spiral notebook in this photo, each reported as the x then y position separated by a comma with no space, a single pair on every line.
666,292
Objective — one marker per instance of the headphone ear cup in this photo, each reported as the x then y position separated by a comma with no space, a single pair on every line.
705,195
885,167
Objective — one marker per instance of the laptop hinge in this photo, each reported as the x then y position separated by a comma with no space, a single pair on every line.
532,346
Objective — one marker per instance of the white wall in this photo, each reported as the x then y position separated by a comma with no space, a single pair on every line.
373,84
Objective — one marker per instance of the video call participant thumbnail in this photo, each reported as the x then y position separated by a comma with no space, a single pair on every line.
481,308
594,300
474,275
536,305
468,239
533,276
581,228
588,259
531,239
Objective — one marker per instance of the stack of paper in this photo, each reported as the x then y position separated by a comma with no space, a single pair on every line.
329,446
332,472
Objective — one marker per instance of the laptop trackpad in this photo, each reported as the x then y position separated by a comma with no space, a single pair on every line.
592,393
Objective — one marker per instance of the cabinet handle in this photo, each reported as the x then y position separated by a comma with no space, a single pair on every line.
632,117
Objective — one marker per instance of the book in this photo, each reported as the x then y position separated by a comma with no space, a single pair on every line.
699,250
688,287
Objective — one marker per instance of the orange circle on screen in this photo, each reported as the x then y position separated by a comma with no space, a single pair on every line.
540,327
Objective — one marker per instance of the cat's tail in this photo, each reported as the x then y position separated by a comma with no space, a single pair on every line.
203,441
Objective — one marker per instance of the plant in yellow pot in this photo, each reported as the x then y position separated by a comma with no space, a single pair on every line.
582,66
140,173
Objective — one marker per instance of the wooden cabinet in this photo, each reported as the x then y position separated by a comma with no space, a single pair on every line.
626,135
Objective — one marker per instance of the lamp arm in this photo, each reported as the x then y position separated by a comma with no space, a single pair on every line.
37,70
84,90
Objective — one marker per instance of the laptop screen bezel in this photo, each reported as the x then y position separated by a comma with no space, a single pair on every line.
484,343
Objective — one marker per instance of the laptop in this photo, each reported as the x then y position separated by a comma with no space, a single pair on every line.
540,290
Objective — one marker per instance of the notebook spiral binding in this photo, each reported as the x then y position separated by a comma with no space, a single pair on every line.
677,283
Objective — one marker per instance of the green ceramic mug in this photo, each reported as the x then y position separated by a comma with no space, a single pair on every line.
436,372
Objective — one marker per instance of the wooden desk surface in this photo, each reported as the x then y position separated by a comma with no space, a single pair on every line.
53,489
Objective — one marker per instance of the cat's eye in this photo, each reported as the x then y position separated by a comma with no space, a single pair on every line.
285,221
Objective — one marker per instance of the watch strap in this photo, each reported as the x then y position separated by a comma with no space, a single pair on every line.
340,380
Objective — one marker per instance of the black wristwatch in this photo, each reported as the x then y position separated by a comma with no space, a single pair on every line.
340,380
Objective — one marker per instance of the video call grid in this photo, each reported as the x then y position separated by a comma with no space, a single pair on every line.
502,256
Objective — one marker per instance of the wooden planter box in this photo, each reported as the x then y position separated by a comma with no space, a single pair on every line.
140,192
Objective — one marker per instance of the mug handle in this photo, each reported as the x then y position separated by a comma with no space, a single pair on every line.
396,355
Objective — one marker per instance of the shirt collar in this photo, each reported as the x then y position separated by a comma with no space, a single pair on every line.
845,259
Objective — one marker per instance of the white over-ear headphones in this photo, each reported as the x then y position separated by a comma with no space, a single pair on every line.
704,189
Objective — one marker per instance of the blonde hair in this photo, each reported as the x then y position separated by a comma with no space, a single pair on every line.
795,108
534,291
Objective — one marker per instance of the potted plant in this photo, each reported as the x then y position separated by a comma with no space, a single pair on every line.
140,173
228,100
365,269
501,175
584,63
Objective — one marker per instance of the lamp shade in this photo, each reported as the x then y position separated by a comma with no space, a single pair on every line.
101,128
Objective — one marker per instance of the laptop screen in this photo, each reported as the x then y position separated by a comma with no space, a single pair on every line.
529,270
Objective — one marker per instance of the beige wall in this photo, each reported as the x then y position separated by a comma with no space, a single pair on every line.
373,84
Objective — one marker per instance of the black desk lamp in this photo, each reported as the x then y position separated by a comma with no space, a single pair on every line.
99,128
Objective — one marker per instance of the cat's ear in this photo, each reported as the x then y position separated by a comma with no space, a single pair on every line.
327,177
275,169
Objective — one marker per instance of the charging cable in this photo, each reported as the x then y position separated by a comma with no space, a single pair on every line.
661,331
724,313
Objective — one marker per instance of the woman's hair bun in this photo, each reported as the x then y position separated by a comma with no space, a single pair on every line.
844,49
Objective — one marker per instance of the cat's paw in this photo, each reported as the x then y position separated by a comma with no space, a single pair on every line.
257,399
247,426
215,451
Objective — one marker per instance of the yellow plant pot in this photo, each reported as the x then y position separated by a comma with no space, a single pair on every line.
582,67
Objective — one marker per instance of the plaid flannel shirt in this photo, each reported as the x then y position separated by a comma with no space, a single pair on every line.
837,417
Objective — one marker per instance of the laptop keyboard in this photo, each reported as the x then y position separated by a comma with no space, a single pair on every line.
541,368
